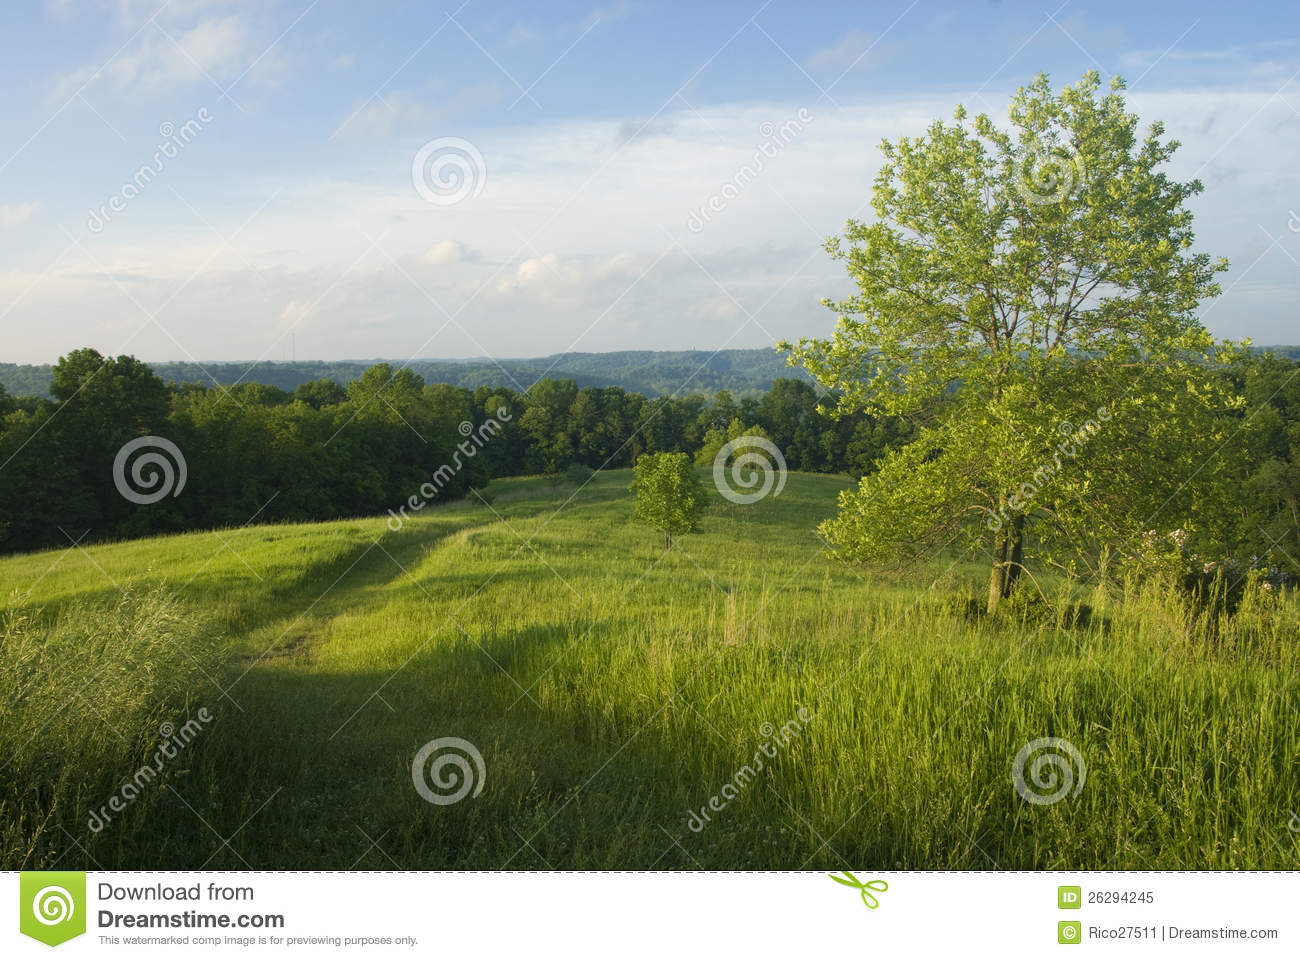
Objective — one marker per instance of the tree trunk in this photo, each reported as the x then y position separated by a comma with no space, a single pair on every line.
997,576
1015,564
668,540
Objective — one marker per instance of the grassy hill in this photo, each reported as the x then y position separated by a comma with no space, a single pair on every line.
650,372
612,689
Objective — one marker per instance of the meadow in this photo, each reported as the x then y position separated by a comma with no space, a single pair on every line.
614,689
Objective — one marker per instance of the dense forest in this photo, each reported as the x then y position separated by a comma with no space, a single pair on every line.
650,372
259,453
325,450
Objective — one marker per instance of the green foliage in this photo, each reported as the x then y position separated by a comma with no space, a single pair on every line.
1016,286
669,495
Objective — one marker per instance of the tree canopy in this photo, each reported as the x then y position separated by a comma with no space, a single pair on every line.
1027,296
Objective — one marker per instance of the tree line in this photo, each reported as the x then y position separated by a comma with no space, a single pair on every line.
257,453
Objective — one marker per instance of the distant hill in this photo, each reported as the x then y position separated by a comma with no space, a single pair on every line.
650,372
653,373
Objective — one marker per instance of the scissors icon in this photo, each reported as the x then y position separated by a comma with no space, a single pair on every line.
868,898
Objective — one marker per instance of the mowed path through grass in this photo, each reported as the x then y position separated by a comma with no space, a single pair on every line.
612,688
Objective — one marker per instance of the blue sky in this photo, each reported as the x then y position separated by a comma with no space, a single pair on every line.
291,218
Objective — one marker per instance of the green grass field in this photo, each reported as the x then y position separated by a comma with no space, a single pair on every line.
612,688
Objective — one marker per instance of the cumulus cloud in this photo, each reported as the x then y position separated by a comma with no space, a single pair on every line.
448,251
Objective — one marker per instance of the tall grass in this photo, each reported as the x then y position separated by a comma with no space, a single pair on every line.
84,695
613,689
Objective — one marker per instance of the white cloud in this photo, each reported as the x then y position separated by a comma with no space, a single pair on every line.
552,253
399,111
20,213
850,50
447,251
161,61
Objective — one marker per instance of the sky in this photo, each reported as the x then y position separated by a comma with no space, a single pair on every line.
331,180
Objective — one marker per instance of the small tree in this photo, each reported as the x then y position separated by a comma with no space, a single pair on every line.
715,440
669,495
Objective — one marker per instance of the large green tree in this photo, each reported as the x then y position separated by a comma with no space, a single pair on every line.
1027,296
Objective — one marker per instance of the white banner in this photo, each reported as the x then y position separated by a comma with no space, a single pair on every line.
651,914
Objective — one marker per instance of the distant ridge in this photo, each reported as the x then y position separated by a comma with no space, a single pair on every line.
650,372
